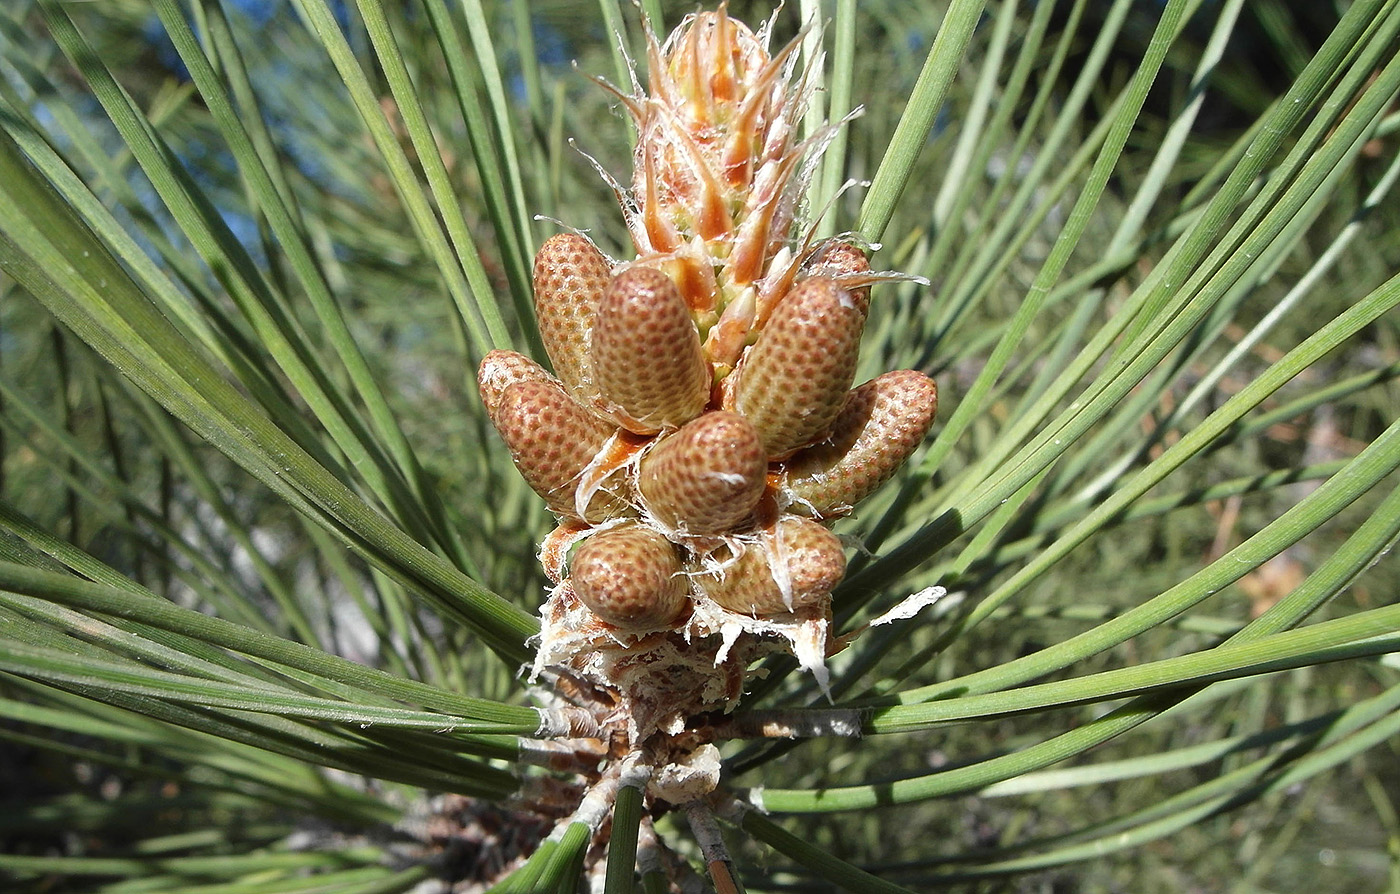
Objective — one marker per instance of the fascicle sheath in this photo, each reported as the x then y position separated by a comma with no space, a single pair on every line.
630,577
795,564
646,355
794,380
883,422
553,440
570,276
707,477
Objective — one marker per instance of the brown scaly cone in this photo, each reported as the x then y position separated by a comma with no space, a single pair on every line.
702,429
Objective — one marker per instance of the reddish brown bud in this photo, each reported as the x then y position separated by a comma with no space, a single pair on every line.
794,565
883,422
570,275
646,355
501,369
793,381
707,477
630,577
552,440
847,265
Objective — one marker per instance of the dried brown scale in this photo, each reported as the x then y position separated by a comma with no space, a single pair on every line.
552,440
883,422
569,277
610,471
793,381
555,548
630,577
707,477
646,355
795,565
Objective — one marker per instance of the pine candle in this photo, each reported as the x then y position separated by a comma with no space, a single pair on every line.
700,431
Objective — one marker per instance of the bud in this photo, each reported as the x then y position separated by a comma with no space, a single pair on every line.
630,577
646,353
793,381
794,565
883,422
501,369
570,275
707,477
846,264
553,440
717,176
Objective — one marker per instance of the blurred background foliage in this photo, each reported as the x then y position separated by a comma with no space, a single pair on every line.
94,797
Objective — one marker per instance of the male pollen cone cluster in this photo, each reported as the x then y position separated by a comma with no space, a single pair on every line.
700,429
